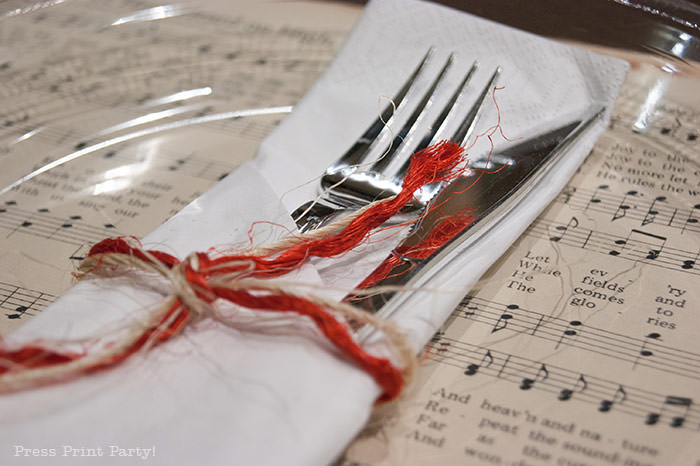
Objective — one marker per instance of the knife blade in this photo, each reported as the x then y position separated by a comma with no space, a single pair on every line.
488,197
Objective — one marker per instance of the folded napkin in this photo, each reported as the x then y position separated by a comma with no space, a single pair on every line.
270,391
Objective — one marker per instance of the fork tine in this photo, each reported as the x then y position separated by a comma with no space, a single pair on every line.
404,135
345,188
437,127
469,123
364,143
441,121
462,133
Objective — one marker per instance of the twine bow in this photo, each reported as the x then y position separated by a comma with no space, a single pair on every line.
246,280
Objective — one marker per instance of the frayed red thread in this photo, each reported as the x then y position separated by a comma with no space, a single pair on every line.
440,235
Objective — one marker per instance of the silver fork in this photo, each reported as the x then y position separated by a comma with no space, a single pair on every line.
345,186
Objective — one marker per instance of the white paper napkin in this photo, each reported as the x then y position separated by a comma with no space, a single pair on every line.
273,392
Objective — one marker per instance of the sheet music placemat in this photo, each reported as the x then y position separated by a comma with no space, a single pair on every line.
580,345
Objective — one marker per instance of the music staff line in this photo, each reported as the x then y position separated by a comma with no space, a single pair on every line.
16,301
69,230
133,83
198,167
565,384
245,127
86,79
632,206
638,246
666,126
646,352
673,132
104,93
194,166
189,165
54,134
179,47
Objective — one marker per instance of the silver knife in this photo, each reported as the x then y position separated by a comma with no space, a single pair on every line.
490,198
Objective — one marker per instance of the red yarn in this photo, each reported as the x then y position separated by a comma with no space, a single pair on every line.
441,234
436,163
31,356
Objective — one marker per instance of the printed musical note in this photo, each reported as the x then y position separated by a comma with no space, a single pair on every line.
442,346
644,351
689,264
651,214
566,393
567,193
624,206
438,335
19,312
595,199
619,396
635,247
542,374
657,211
576,335
437,345
616,251
474,368
641,238
652,418
573,223
677,420
669,129
567,384
471,310
569,331
18,302
502,322
467,309
42,223
692,219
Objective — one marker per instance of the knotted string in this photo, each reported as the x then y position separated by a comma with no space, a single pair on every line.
247,280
